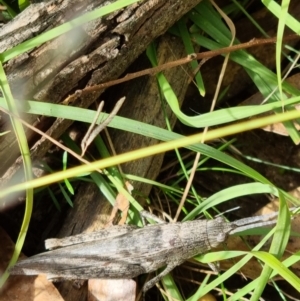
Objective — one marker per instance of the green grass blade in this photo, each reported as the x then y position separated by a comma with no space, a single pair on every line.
275,9
25,153
230,193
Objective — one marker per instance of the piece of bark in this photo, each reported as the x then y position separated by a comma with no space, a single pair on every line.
106,47
91,210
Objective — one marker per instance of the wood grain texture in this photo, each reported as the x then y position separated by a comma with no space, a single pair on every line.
102,51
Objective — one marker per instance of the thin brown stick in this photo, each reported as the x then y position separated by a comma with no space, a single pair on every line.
84,142
194,56
94,131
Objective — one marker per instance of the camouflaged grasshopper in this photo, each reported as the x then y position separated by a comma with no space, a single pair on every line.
128,251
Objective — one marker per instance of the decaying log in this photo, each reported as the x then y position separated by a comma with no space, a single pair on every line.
90,54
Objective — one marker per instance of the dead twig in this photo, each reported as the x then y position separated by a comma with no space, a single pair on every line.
94,131
194,56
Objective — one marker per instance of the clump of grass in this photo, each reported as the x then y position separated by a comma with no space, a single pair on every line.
208,30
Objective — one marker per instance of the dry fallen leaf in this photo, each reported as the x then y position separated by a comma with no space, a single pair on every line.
24,288
257,99
121,204
111,290
294,242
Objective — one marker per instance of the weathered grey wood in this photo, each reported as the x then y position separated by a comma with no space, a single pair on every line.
106,47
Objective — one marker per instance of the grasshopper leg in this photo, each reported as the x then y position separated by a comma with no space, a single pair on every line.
146,214
157,278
